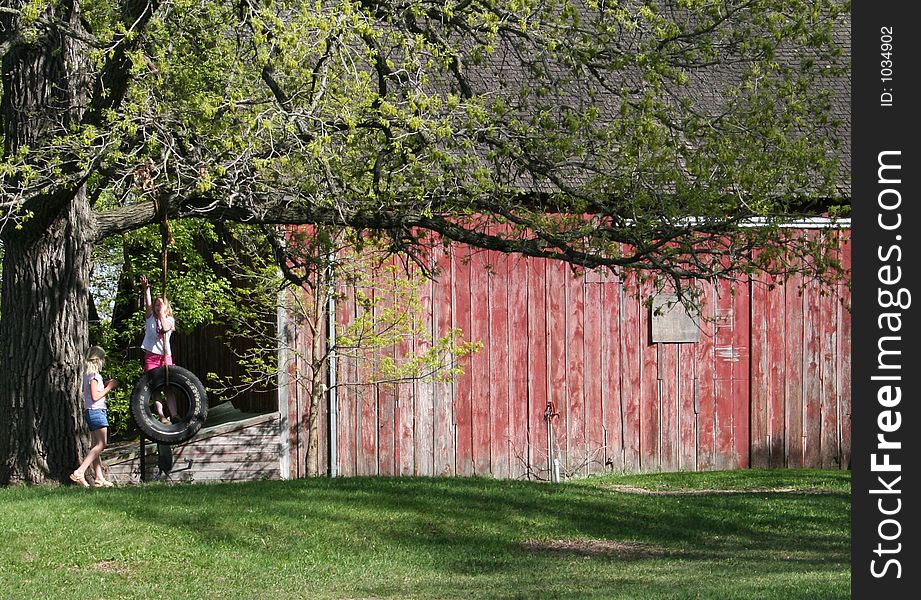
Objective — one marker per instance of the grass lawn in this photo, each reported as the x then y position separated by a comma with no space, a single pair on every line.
742,534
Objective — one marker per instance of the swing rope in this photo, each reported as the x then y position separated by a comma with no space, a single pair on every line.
166,238
150,384
143,179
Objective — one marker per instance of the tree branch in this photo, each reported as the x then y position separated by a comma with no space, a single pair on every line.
112,83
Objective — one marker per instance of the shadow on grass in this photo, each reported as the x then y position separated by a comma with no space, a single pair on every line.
467,526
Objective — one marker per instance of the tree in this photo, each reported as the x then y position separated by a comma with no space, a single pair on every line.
634,135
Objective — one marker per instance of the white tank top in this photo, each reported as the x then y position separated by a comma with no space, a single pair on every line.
153,341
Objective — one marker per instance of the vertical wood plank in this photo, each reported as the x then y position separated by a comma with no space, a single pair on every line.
464,387
345,390
741,372
793,383
366,398
812,374
387,442
406,408
612,344
844,357
539,370
594,378
366,407
443,399
632,352
424,389
828,353
498,380
668,382
557,289
650,417
725,357
706,377
519,365
777,373
578,458
687,417
322,464
760,378
481,397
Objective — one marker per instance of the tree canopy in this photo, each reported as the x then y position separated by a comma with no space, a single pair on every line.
414,116
636,134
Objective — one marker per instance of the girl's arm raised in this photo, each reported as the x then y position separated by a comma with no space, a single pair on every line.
148,303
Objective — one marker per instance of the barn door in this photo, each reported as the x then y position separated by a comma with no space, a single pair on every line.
723,378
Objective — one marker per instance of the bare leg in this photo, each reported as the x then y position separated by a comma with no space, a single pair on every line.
158,406
97,470
171,402
97,464
100,438
101,479
98,473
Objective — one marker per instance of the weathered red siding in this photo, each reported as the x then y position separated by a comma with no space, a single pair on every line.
767,385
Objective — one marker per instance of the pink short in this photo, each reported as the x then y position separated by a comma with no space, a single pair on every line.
152,361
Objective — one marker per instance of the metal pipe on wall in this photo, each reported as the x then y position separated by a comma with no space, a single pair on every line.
331,375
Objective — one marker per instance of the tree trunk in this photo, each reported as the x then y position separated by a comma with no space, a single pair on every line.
318,363
44,298
43,336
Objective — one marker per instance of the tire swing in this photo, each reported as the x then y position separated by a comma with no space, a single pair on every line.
191,401
191,398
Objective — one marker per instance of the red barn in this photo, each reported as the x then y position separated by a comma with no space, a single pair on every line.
578,373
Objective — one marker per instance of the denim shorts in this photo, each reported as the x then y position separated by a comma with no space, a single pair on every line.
96,418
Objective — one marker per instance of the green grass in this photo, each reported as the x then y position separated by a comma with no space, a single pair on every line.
435,538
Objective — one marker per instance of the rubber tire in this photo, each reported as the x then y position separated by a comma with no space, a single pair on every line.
186,383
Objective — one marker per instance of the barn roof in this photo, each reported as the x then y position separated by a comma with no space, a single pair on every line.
506,71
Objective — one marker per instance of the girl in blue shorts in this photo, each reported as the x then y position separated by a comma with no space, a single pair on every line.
94,394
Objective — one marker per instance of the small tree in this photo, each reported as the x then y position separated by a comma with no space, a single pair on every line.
337,264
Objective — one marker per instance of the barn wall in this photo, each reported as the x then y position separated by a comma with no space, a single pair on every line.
801,373
766,385
205,350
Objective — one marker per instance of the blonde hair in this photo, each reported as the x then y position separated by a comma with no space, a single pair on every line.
95,358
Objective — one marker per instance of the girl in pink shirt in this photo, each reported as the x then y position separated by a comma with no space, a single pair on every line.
94,403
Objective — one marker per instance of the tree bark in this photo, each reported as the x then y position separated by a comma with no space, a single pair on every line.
43,336
44,301
318,360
